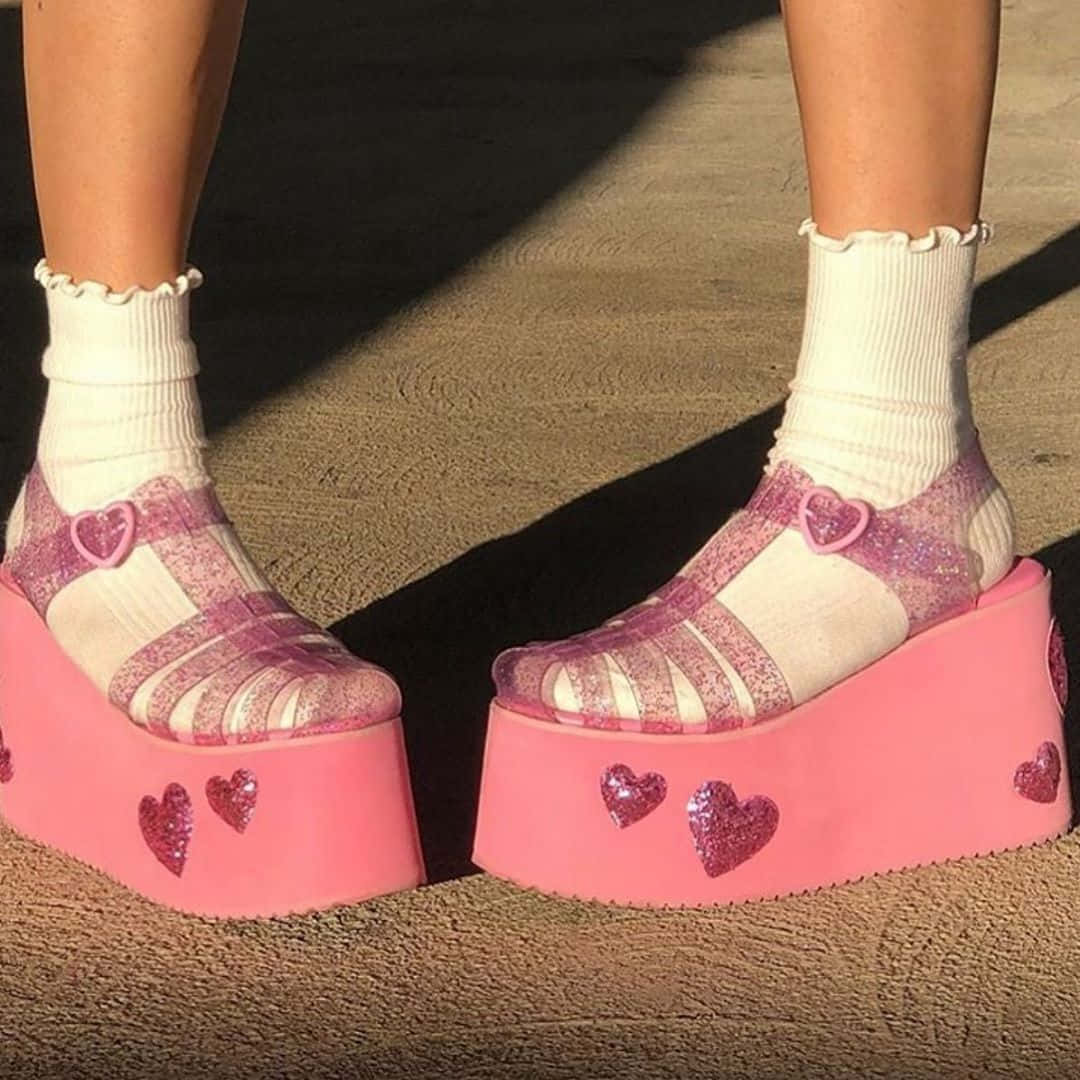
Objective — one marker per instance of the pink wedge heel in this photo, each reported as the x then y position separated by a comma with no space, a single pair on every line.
951,745
238,829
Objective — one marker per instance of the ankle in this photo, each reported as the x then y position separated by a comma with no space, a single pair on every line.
122,405
884,454
100,336
99,442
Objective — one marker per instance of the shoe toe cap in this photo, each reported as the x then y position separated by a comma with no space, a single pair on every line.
359,695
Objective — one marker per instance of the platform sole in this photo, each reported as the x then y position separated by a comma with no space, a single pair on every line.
950,746
251,830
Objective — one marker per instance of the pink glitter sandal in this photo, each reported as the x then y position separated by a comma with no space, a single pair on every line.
249,819
949,745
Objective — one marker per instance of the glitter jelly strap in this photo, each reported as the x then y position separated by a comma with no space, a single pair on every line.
57,548
909,547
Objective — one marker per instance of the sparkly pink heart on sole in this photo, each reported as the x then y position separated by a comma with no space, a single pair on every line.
1038,780
104,538
830,522
629,798
167,826
233,800
7,771
727,832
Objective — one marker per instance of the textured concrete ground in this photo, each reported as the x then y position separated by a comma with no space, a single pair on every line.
501,301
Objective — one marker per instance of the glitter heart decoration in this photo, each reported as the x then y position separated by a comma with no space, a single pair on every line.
728,832
7,770
1038,780
104,538
233,800
829,522
629,798
167,826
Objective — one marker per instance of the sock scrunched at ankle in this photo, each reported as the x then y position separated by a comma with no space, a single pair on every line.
122,405
880,406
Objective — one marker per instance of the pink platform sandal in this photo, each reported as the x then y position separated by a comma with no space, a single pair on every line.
949,745
253,818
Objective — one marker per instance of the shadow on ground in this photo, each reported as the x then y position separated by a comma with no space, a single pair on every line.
368,154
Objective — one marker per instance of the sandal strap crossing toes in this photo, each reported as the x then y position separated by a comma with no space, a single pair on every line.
663,759
242,764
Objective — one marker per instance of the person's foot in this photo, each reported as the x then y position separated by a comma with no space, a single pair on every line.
154,598
799,590
119,542
878,516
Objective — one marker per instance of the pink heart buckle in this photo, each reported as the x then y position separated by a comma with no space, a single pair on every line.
629,798
1038,780
104,538
233,800
834,527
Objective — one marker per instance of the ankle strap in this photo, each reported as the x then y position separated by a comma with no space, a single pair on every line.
57,548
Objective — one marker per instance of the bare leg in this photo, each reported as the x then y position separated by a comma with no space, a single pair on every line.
125,100
895,98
